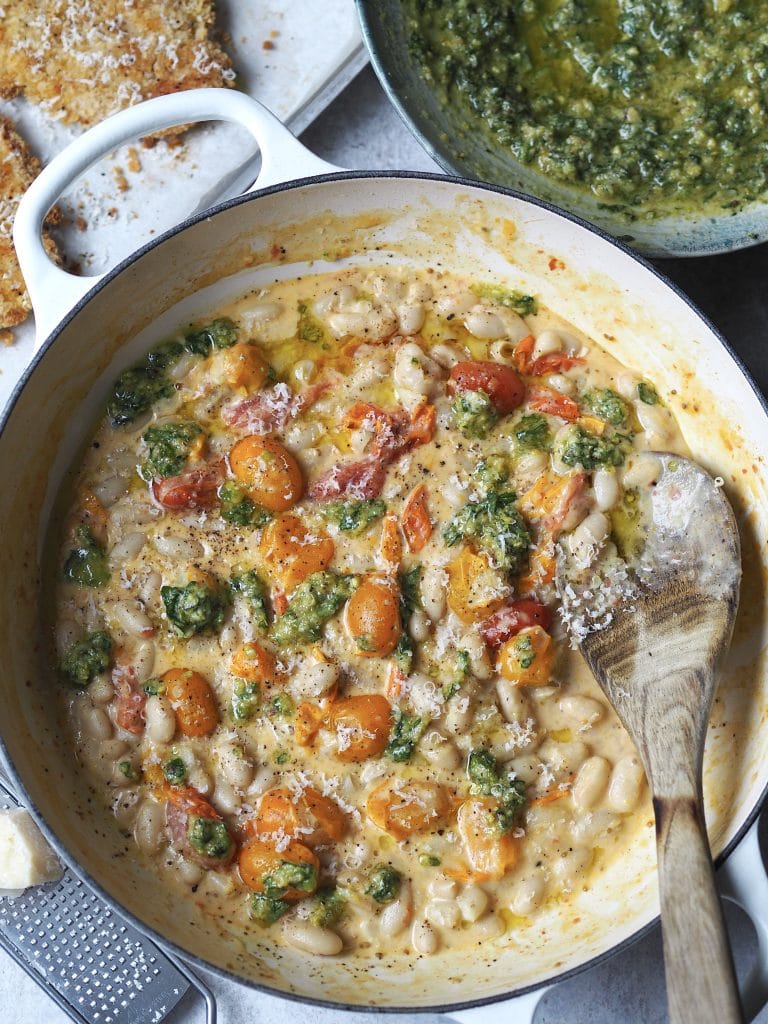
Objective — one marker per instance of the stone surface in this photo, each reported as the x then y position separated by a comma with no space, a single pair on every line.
360,130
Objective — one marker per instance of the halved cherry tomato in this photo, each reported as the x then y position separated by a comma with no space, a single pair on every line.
551,402
422,427
406,808
390,545
490,854
501,383
188,799
244,367
272,475
292,551
527,659
524,353
475,588
541,568
253,662
554,362
372,616
280,810
192,701
361,725
417,526
194,488
259,860
509,620
306,725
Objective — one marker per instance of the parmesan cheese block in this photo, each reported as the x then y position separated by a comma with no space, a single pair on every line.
25,857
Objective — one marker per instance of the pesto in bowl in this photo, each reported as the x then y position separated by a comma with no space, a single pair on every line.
651,108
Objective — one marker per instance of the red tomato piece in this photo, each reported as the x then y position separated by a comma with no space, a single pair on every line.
511,619
501,383
551,402
194,488
554,362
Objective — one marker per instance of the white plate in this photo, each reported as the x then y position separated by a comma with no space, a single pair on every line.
317,51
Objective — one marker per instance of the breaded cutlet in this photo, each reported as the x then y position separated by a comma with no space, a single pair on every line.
82,60
18,169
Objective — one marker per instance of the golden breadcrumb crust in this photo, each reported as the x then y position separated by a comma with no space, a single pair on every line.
18,169
82,60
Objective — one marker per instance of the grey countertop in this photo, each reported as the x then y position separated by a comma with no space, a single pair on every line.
360,130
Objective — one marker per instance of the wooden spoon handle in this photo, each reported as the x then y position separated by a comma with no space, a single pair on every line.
701,984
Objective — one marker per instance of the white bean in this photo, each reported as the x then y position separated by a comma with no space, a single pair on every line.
563,757
445,355
190,872
418,291
410,317
419,626
572,864
439,750
590,783
503,351
149,590
458,714
313,678
558,381
527,768
225,799
584,710
182,366
127,548
200,780
311,938
643,471
161,721
482,322
396,915
455,303
626,385
178,548
443,913
479,659
261,313
473,902
587,539
441,887
237,768
527,894
424,938
110,490
365,319
101,690
148,828
656,421
125,806
434,584
414,373
143,660
606,485
512,701
591,828
132,618
491,926
529,467
626,784
95,723
546,343
263,780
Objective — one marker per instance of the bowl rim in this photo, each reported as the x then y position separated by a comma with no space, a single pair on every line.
5,761
443,158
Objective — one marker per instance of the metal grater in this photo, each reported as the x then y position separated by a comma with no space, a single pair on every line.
97,968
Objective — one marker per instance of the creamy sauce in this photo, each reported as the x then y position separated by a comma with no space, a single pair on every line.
335,425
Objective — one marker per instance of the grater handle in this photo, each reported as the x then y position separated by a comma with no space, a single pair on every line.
207,995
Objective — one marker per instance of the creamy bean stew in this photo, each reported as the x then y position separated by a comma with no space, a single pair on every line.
306,620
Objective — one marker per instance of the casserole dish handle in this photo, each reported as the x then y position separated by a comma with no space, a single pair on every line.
519,1010
53,291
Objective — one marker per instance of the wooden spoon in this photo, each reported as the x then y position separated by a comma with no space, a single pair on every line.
653,626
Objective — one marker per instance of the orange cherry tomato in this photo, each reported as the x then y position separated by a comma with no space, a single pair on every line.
254,663
192,701
361,725
244,367
281,812
390,545
490,853
417,526
475,588
527,658
372,616
292,550
406,808
306,725
269,471
259,860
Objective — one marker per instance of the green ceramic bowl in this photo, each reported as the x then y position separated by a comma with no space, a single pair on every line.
458,144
